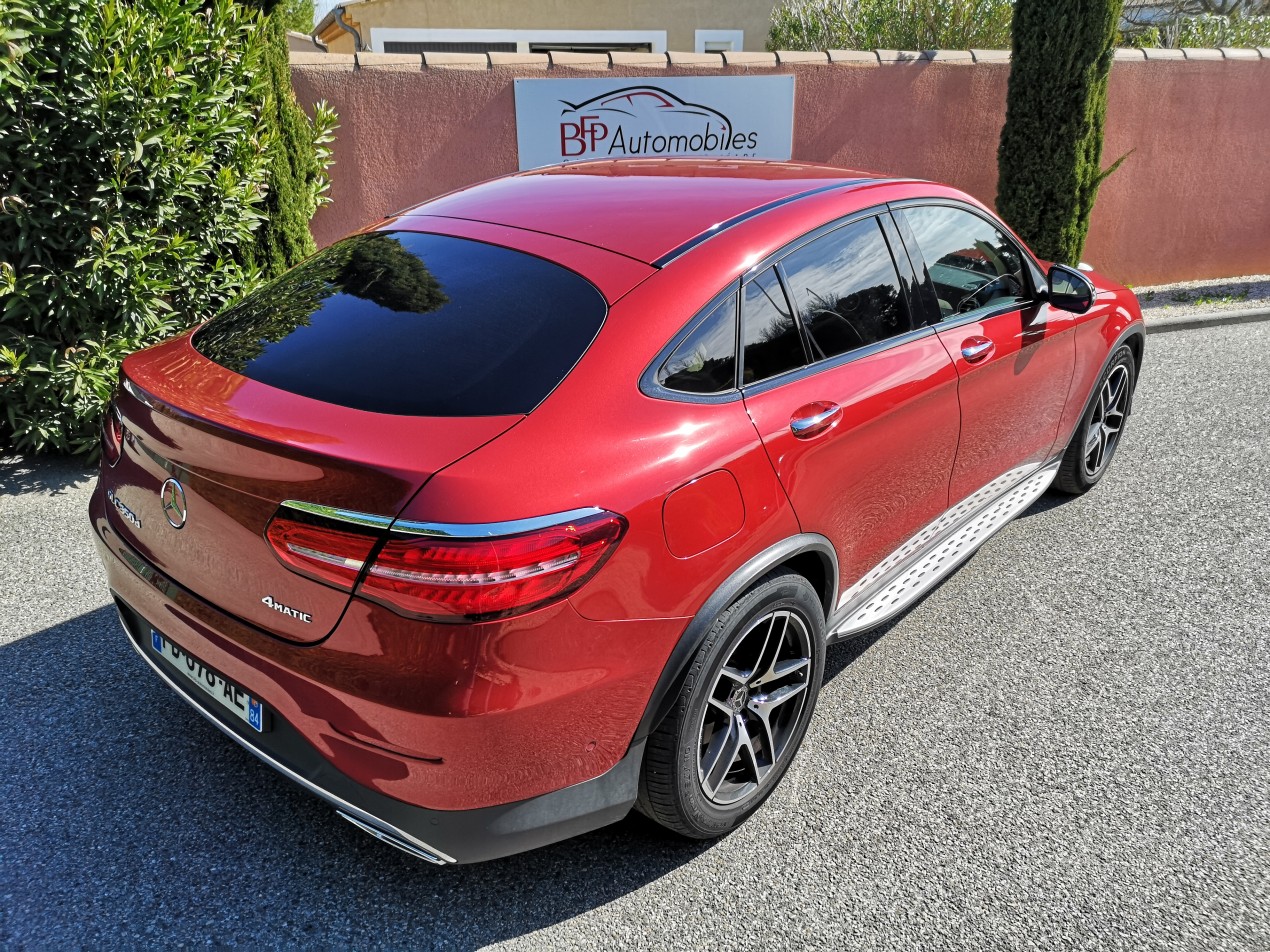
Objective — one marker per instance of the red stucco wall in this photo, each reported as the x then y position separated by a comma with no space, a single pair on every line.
1192,201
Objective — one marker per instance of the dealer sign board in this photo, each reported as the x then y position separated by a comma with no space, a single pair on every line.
569,120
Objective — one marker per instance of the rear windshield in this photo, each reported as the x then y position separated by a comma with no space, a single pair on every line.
414,324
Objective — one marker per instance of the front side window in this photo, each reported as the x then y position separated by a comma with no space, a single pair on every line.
846,289
972,263
770,337
706,360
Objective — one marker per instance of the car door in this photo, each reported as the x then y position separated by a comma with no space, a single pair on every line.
856,409
1014,355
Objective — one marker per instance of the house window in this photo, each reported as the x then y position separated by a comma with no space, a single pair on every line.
442,47
720,41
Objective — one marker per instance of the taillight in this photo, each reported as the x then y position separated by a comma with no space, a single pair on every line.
323,553
447,578
441,572
111,434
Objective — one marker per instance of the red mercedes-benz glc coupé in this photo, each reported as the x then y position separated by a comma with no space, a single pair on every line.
542,500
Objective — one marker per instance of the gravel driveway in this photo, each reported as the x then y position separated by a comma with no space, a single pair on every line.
1065,746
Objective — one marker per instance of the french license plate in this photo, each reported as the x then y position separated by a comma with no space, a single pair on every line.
225,692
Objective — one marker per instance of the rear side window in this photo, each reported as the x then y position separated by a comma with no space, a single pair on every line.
846,289
706,360
769,334
412,324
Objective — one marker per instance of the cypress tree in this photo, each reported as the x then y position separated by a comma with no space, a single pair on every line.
295,168
1050,156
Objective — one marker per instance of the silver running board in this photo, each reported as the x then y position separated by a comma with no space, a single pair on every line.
927,558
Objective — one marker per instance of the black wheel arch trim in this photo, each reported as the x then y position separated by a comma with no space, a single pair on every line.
676,668
1135,329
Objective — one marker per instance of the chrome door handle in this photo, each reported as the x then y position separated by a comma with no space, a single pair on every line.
826,415
976,348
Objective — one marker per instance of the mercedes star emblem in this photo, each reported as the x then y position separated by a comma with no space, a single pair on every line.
172,496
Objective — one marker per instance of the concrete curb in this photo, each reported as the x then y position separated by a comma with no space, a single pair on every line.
1161,325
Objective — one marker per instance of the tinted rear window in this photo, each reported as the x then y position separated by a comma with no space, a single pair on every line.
414,324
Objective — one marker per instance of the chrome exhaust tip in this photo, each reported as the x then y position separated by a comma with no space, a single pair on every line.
394,838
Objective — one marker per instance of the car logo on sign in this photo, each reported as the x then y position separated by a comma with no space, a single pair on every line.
172,498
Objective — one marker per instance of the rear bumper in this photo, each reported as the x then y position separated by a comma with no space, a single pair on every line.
514,764
438,836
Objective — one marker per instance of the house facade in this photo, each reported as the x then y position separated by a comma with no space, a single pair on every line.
536,26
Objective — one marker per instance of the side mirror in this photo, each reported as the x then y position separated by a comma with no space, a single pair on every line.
1069,290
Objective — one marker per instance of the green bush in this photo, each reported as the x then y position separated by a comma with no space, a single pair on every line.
134,170
1209,30
1050,155
297,172
890,24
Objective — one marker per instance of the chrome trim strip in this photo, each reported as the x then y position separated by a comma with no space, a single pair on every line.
342,806
481,530
452,530
836,361
385,837
341,515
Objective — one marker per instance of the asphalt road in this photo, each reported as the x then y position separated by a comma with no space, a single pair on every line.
1063,747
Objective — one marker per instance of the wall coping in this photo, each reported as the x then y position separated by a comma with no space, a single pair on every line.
674,61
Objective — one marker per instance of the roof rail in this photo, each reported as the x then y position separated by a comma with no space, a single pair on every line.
723,226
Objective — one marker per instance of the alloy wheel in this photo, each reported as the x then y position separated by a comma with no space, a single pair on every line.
1107,422
755,707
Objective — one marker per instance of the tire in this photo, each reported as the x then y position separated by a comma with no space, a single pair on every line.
1088,455
727,698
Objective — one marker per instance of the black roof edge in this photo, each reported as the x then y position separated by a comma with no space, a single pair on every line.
723,226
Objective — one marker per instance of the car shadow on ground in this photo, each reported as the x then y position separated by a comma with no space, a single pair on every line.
1051,499
130,821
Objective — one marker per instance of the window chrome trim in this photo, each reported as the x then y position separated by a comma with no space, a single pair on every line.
839,360
988,313
452,530
648,383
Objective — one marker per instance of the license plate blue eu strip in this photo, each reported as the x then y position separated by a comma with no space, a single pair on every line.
225,692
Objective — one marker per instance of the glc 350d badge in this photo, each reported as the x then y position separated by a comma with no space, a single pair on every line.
172,497
122,509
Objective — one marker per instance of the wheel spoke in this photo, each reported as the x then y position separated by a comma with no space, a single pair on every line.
747,752
1092,439
782,670
721,706
722,753
762,719
771,649
1116,388
735,675
770,702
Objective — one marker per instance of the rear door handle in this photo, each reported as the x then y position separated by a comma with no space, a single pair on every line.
813,419
975,349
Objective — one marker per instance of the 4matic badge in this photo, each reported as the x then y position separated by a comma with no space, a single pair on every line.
287,610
